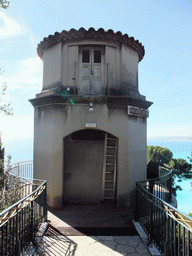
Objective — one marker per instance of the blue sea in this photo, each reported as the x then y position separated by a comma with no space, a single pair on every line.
22,150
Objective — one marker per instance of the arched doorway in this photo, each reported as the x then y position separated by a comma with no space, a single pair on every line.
89,167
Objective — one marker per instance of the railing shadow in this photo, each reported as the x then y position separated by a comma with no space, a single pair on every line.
97,239
55,243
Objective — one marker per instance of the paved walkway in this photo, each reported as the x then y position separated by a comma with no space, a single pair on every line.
67,237
92,246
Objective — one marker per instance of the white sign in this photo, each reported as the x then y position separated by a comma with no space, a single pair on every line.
90,125
136,111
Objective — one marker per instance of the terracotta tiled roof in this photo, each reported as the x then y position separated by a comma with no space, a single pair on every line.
91,33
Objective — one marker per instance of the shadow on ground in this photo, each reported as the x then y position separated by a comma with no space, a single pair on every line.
55,243
98,230
93,220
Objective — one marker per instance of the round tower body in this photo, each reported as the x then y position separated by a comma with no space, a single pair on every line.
90,119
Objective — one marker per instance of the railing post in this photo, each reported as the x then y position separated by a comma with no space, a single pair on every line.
17,238
32,223
45,202
18,170
169,186
136,212
171,183
167,236
151,223
2,239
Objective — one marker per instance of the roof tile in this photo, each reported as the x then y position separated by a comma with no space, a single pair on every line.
82,33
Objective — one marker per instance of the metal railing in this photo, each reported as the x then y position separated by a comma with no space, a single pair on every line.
22,169
169,229
19,223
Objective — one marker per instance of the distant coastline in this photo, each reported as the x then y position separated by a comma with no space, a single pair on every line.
171,138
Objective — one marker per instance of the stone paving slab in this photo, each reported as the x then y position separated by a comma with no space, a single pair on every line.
74,243
92,246
54,243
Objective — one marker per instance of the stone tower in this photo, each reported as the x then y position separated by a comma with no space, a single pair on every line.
89,118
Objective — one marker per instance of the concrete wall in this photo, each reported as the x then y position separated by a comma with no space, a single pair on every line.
48,153
120,71
69,167
54,122
130,61
52,67
110,60
71,65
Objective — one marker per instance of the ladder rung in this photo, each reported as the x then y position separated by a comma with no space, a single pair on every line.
109,167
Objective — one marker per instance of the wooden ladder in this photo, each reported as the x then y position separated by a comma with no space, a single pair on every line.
109,168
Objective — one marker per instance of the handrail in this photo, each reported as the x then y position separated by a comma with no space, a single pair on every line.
22,169
163,185
22,162
168,228
18,223
18,206
164,177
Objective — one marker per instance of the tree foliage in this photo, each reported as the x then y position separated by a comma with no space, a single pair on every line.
4,4
181,168
11,190
190,158
5,108
165,154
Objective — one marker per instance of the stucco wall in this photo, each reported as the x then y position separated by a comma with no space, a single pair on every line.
53,123
130,61
48,153
52,67
119,71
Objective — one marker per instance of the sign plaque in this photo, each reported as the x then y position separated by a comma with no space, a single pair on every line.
136,111
90,125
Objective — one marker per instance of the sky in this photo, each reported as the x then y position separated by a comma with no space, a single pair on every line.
165,74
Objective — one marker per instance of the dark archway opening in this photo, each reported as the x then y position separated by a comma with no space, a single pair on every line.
89,175
83,166
88,134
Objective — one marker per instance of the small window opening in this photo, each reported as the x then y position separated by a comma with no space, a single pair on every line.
97,56
85,56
